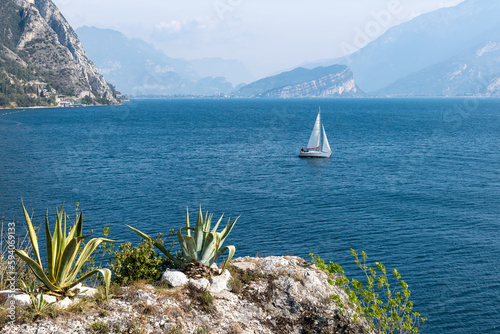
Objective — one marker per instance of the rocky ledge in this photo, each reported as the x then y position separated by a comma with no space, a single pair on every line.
253,295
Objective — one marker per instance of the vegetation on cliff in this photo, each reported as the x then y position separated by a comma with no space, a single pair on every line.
265,295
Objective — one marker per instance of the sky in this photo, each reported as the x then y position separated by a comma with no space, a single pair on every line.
268,36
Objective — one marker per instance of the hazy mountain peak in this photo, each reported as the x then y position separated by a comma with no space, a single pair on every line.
138,68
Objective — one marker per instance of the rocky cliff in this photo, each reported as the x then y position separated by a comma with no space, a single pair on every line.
39,47
336,80
264,295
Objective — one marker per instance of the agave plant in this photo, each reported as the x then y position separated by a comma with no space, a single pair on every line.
38,304
63,270
205,245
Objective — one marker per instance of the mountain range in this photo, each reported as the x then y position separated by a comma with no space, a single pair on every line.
331,81
452,51
137,68
40,52
423,45
474,72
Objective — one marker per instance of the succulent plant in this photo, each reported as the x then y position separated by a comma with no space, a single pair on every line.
62,272
204,246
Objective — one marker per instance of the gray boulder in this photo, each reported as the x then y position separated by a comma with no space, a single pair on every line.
221,282
174,278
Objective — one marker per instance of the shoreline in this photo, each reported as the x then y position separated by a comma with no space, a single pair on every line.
60,107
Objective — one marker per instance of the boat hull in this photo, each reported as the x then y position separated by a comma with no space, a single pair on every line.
315,154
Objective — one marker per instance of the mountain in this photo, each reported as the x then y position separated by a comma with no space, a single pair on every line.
475,72
424,41
41,56
232,70
335,80
139,69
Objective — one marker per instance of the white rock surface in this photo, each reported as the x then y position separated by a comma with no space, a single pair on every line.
83,291
288,298
174,278
271,263
245,265
200,284
20,299
62,304
221,282
49,299
143,295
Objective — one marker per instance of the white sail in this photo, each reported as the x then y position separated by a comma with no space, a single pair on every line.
314,140
326,145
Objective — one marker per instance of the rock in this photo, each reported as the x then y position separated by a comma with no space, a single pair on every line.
200,284
62,304
221,282
4,294
272,263
19,299
226,296
174,278
22,298
143,295
313,281
288,299
49,299
245,266
83,291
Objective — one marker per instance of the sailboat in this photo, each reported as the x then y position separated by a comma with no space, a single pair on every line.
314,148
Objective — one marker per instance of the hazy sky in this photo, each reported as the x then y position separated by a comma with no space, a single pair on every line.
266,35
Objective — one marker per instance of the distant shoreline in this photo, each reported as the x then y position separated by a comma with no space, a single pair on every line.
60,107
254,98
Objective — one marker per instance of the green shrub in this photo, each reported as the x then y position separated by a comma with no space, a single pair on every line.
138,263
387,309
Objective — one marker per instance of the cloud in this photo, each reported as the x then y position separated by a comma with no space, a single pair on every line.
198,25
172,26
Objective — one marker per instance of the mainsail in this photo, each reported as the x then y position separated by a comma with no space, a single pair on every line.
326,145
314,140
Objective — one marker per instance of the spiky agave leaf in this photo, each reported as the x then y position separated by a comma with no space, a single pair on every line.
221,251
205,247
37,270
32,234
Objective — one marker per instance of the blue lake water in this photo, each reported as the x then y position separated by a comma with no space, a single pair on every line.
413,182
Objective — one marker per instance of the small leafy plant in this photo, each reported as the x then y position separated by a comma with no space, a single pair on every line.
100,327
204,246
38,304
63,272
137,263
387,308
